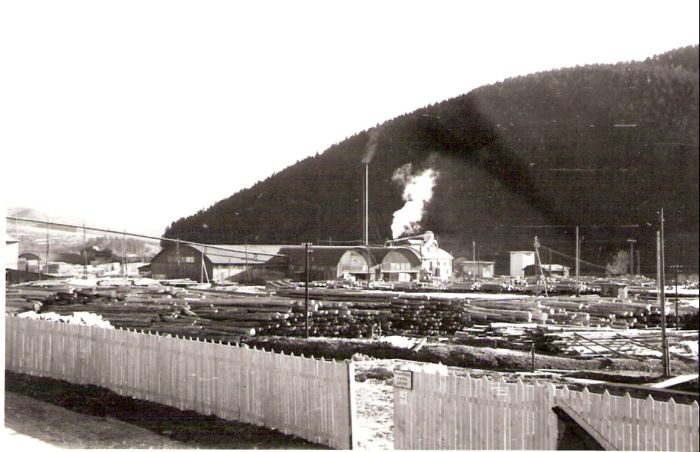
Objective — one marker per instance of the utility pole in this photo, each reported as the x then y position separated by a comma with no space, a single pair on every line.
661,284
366,225
631,242
124,255
201,268
578,251
48,246
306,288
177,256
478,262
84,253
638,266
677,267
539,265
474,259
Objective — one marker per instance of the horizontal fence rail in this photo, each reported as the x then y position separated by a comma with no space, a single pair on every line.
307,397
433,411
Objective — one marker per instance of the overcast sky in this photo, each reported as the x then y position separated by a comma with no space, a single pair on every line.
131,114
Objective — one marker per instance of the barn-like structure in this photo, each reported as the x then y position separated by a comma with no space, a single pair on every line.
218,262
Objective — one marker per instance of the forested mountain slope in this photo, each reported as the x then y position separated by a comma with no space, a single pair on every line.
601,146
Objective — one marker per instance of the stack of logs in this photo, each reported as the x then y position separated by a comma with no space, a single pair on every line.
340,313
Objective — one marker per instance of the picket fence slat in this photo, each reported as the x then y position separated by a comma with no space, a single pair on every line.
305,397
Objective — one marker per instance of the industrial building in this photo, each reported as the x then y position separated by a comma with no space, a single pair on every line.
216,262
436,263
245,262
519,260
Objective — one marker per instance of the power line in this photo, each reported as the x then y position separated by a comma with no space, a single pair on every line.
131,234
573,258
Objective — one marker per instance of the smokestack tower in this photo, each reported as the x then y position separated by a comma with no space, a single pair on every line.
370,149
366,204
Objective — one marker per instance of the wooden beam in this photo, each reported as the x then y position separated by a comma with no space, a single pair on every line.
674,381
568,415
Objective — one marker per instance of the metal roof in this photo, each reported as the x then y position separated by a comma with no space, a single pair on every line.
238,254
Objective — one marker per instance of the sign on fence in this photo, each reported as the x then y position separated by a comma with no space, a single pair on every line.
306,397
450,412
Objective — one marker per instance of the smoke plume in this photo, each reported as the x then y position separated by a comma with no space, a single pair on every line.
371,146
417,192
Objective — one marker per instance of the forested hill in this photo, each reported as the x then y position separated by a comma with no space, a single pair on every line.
600,146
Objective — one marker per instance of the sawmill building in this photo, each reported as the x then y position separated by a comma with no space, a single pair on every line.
221,262
245,262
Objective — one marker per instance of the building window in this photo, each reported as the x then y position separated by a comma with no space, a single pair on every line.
188,259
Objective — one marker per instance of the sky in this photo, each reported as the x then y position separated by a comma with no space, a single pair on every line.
128,115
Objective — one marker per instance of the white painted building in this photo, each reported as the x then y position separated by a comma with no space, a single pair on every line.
519,260
435,261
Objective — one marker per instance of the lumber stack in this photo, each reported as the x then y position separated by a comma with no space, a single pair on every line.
580,342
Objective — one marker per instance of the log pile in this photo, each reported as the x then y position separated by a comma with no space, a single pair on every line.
340,313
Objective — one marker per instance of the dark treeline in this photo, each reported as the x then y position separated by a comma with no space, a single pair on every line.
601,146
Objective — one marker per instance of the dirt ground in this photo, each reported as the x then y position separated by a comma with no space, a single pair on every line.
79,416
34,423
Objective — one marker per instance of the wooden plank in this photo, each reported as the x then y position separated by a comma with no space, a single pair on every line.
680,379
658,438
352,404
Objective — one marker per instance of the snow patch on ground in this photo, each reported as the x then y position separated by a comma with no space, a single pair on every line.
78,318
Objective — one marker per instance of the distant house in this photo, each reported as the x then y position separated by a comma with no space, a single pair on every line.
519,260
29,262
11,252
95,254
549,270
69,258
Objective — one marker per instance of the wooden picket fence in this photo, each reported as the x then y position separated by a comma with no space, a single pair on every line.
635,424
307,397
451,412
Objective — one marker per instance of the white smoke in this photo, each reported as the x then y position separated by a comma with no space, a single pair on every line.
417,192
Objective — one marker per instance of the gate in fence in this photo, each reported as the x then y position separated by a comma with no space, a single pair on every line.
306,397
448,412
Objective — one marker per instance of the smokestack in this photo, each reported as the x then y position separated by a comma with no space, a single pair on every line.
370,149
371,146
367,204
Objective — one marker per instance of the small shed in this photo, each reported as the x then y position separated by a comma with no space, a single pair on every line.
613,290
